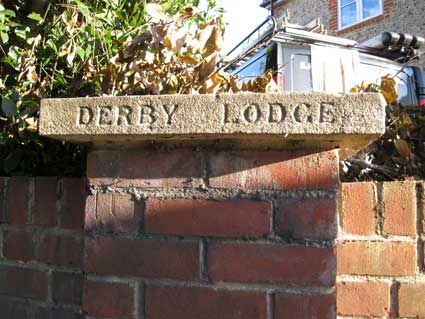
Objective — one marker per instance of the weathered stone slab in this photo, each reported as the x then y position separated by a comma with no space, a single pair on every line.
271,120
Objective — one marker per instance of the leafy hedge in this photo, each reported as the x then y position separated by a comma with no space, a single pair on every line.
400,153
74,48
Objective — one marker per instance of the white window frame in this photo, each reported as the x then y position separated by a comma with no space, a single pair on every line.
359,12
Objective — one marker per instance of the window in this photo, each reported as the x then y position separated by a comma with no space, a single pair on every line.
351,12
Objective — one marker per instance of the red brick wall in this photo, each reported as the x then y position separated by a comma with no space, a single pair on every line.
380,250
200,234
210,234
41,240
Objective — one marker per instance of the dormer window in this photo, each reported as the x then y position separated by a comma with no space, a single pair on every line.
351,12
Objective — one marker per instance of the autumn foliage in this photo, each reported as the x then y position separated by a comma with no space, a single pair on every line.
72,48
400,153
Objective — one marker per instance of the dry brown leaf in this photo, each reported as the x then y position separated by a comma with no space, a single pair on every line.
189,59
388,89
404,120
214,43
158,33
403,148
207,67
175,40
234,84
32,74
198,44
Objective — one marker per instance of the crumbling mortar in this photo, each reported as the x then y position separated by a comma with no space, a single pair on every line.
420,226
140,300
380,278
231,286
377,239
273,221
35,229
50,286
34,304
206,171
379,211
95,234
270,305
39,266
394,298
203,260
216,193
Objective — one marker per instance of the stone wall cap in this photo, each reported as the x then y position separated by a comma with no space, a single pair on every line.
272,120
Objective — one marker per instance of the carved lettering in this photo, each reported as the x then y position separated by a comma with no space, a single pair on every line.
147,115
165,114
252,113
302,113
86,116
326,115
169,111
228,116
106,115
277,113
124,115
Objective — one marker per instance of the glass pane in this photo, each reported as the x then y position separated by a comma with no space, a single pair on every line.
345,2
301,73
371,8
348,15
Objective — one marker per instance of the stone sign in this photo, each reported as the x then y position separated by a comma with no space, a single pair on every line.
340,120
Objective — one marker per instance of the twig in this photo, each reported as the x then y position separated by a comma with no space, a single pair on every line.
375,167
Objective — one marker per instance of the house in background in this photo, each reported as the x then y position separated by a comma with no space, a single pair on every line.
356,19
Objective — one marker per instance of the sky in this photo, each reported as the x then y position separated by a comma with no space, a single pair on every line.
241,17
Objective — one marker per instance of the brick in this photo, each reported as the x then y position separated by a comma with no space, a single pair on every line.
18,245
411,300
108,299
376,258
366,298
222,218
176,168
307,218
73,203
274,170
399,208
14,309
26,283
44,211
358,208
67,288
262,263
62,250
52,313
3,188
18,200
113,213
144,258
205,303
291,306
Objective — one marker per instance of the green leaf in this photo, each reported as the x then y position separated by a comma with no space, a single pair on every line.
35,16
9,107
84,9
22,33
81,53
8,13
4,37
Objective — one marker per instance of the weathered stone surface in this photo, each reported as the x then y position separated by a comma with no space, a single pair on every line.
271,120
